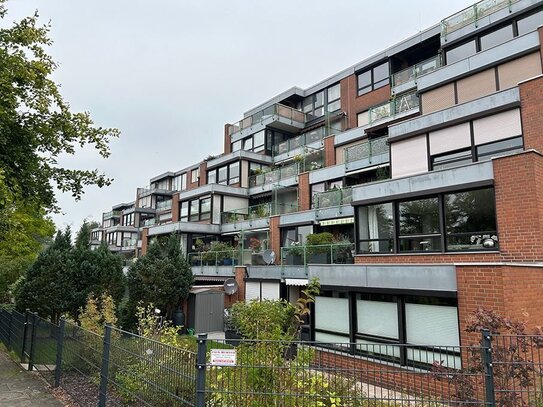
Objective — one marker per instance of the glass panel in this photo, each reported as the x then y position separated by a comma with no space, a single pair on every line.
332,314
258,138
223,175
419,243
308,104
470,218
461,52
194,210
376,228
364,81
419,217
377,318
248,144
319,99
212,177
452,160
332,107
498,148
234,173
236,146
380,75
334,92
205,208
497,37
431,325
530,23
184,211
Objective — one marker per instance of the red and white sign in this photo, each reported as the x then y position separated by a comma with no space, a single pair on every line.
223,357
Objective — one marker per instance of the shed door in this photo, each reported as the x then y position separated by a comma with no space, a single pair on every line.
209,312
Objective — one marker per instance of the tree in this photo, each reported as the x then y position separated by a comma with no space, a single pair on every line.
46,288
162,277
36,124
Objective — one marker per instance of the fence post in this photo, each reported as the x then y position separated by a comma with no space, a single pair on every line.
486,349
32,342
201,370
25,329
105,367
60,346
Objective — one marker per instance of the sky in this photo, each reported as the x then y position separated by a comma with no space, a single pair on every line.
170,73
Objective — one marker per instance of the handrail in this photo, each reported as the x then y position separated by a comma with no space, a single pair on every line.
333,197
276,109
413,72
111,214
164,205
302,255
399,104
366,149
303,139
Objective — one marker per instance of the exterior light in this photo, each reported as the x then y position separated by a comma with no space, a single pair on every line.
489,243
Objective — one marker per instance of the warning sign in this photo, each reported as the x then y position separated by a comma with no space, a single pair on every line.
223,357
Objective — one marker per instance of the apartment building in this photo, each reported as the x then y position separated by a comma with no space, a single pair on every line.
409,184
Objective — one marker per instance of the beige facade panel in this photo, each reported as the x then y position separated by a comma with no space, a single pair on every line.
450,139
340,151
476,86
363,118
438,99
409,157
513,72
497,127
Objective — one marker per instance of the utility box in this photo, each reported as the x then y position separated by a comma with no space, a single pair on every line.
206,310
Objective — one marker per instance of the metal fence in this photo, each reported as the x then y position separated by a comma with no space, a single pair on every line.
117,368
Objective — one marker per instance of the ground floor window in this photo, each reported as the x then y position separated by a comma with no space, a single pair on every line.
405,329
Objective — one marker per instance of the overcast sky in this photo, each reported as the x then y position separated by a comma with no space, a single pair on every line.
170,73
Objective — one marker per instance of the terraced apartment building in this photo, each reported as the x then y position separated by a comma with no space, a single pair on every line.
409,184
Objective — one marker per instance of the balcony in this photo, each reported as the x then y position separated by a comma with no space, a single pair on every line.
334,197
151,189
369,152
129,244
111,214
407,78
302,140
264,210
335,253
149,222
472,14
309,162
164,205
277,116
399,106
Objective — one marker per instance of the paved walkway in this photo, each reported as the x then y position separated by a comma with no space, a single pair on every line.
20,388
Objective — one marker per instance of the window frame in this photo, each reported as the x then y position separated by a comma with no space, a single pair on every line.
372,84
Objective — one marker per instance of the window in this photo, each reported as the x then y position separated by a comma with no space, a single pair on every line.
222,175
461,52
470,218
332,317
225,175
199,209
233,173
184,212
128,220
333,98
497,37
212,177
313,105
499,148
179,183
419,228
145,202
195,175
373,78
248,144
376,228
236,145
258,141
454,159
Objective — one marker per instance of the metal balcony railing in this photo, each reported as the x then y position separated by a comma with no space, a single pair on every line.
335,253
258,117
366,149
472,14
333,197
413,72
400,104
303,140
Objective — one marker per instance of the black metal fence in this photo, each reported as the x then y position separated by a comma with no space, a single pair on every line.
119,368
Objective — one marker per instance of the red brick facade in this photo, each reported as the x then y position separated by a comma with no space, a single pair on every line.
329,151
175,207
304,192
275,237
227,139
531,100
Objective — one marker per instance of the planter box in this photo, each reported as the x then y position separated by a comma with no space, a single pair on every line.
294,260
257,260
319,258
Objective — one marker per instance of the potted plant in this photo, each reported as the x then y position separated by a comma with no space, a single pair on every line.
256,252
220,254
294,254
199,246
318,247
342,251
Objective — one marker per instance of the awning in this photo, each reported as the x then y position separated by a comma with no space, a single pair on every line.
296,281
214,279
366,169
340,221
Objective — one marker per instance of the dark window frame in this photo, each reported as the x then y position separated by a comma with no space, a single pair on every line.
373,84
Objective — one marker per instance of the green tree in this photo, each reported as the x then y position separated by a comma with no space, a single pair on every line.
162,277
46,287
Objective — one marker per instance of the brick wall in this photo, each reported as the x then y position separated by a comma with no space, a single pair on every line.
175,207
227,139
203,173
354,104
275,237
304,192
144,241
531,100
329,151
240,294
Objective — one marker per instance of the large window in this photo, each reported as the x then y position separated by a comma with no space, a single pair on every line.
195,175
469,219
179,182
225,175
419,228
198,210
373,78
330,99
128,220
406,329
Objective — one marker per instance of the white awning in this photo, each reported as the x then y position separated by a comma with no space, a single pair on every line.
337,221
296,281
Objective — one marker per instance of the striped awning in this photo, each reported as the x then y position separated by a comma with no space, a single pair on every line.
296,281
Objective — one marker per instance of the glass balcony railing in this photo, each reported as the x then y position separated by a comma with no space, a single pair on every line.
257,212
366,149
274,110
149,222
399,104
309,162
164,205
303,139
472,14
413,72
335,253
111,214
129,243
153,189
334,197
215,258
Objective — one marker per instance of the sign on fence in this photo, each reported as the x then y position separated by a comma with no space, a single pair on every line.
223,357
